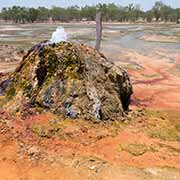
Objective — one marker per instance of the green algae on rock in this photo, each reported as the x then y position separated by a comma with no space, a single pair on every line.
69,79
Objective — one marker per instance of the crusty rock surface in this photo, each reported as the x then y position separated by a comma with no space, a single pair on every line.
68,79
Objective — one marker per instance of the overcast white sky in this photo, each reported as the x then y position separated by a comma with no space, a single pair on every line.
145,4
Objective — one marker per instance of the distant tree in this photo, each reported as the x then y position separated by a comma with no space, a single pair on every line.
103,8
157,9
89,12
149,16
133,12
73,13
113,11
32,14
43,14
110,12
177,14
5,14
165,12
59,14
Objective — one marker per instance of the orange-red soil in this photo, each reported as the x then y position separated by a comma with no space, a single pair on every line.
155,86
116,150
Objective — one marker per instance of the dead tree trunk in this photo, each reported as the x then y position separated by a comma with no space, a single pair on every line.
98,30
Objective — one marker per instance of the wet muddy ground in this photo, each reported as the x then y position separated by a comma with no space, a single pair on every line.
145,146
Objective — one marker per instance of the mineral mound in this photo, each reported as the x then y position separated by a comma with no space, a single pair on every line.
71,80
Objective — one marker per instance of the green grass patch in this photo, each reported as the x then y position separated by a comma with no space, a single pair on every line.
172,149
136,149
163,125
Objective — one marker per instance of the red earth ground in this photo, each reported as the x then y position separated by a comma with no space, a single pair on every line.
145,146
162,90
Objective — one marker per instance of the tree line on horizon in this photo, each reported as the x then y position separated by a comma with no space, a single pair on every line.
110,12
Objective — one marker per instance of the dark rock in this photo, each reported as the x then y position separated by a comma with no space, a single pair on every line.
4,85
69,79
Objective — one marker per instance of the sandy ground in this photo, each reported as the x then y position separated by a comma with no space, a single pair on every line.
160,38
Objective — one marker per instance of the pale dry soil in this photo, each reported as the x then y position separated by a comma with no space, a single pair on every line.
160,38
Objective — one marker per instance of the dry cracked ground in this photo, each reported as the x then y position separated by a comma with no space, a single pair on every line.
146,145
